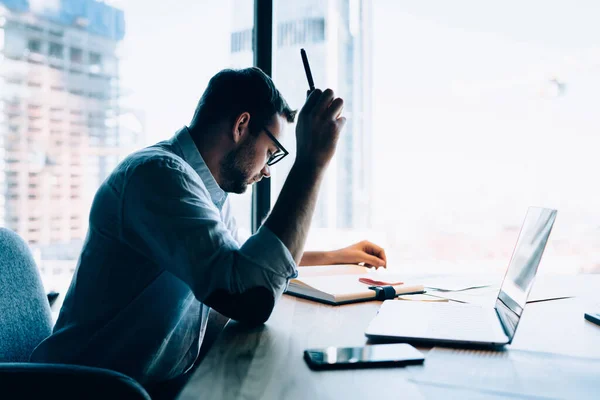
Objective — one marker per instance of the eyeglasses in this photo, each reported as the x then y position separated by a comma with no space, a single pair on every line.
281,152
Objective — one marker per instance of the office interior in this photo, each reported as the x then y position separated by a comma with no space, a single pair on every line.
460,117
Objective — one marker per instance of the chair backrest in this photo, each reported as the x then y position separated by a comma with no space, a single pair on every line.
25,318
61,381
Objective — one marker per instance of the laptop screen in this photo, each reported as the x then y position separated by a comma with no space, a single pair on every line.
523,266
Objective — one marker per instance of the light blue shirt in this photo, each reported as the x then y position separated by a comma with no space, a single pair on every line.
161,240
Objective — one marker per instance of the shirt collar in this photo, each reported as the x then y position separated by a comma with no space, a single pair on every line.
192,156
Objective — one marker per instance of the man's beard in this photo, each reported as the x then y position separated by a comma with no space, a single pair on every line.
236,168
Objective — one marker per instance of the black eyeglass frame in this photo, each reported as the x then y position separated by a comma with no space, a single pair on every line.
275,158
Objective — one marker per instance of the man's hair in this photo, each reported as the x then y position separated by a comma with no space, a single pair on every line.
234,91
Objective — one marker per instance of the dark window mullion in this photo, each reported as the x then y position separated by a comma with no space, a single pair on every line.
263,59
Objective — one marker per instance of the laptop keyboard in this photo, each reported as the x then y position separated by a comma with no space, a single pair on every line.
470,320
437,321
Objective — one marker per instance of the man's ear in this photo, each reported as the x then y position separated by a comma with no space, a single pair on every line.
241,127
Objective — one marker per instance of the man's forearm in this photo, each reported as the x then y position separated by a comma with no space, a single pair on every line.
293,211
316,258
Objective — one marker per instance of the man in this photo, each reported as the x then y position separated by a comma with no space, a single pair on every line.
162,248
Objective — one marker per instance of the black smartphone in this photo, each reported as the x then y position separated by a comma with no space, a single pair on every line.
377,355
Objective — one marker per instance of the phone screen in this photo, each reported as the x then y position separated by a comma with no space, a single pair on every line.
372,355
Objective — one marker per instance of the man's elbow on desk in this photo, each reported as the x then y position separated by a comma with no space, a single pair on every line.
252,307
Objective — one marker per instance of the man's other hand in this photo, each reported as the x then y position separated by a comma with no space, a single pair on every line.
363,252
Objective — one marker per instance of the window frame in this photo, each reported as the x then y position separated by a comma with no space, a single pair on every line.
263,59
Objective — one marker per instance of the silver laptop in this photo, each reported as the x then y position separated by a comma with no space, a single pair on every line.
464,324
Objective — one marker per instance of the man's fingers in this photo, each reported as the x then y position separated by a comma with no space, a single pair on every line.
379,252
372,248
373,261
335,109
324,101
312,99
383,256
340,122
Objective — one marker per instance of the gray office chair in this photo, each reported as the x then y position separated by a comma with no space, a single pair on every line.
25,321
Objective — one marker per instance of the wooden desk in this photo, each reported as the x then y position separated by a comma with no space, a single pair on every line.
267,362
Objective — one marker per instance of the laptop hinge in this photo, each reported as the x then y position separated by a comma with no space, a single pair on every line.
504,327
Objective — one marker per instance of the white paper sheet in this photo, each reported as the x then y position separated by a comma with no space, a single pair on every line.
461,282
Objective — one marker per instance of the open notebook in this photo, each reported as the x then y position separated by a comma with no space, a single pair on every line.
339,284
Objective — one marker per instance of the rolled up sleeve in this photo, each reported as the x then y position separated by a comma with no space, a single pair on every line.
168,215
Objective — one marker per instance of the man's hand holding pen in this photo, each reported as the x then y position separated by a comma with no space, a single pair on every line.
319,123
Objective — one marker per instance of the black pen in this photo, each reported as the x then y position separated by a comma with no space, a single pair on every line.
311,83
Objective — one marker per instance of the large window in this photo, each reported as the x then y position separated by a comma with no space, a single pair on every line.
339,44
124,85
460,115
168,69
480,111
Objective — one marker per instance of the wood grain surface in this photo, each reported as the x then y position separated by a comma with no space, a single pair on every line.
267,362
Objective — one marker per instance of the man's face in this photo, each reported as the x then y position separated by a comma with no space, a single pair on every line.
247,163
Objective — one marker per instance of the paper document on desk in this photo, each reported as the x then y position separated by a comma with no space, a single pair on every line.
459,283
483,291
484,297
477,289
422,297
514,372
